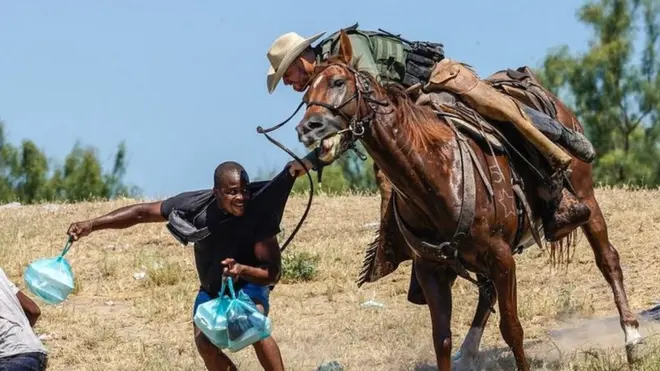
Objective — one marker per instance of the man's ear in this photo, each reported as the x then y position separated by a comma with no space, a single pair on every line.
345,47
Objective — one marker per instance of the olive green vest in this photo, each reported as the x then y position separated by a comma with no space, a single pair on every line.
388,52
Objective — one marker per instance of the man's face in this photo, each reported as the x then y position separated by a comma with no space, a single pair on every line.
297,75
233,193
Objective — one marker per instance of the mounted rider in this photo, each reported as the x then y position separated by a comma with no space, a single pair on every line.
422,68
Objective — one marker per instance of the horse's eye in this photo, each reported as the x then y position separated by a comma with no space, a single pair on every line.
338,83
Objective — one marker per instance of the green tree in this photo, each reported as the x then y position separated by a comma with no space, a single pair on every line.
359,174
614,91
28,176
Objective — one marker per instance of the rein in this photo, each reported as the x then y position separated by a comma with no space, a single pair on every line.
265,132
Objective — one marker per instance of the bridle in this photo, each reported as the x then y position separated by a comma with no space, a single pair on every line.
356,129
356,125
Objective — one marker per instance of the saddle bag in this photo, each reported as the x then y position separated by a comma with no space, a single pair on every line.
420,61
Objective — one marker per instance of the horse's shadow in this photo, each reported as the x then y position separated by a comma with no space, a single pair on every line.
499,359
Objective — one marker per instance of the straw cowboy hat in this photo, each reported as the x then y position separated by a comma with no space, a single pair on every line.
284,50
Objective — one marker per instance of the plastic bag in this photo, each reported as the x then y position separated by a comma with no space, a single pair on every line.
210,319
50,279
245,324
231,322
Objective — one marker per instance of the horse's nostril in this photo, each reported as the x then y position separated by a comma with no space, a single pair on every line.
312,125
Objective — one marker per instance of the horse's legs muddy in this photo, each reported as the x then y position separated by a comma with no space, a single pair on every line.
607,260
436,283
467,356
503,274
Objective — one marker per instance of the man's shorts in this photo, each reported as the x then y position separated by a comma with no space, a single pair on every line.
259,294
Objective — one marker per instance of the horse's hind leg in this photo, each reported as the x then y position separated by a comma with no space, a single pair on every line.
503,274
607,260
467,356
436,283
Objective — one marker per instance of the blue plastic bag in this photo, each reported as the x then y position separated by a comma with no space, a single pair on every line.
245,324
50,279
210,319
231,322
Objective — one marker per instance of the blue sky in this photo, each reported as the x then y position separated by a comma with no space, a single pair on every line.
184,83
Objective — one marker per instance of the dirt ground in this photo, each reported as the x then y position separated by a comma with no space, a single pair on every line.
114,321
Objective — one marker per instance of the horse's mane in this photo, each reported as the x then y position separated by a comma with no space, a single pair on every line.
418,124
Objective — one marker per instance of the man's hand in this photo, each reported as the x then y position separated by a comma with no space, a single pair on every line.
296,170
232,269
79,229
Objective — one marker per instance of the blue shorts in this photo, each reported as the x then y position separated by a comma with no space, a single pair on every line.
259,295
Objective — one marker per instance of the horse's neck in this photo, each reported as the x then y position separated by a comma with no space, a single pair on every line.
427,178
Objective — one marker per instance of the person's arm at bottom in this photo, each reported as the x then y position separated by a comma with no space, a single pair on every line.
31,309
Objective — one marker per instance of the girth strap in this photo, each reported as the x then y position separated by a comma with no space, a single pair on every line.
448,251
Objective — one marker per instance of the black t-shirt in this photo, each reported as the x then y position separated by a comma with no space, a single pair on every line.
231,236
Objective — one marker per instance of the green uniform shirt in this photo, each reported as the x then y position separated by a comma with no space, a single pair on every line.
374,56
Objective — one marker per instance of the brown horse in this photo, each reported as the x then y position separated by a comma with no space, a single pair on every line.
451,220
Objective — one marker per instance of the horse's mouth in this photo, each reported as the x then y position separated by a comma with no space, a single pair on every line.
329,147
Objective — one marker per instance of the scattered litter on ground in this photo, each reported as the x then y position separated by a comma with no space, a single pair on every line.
51,207
10,205
653,313
110,303
139,275
330,366
372,304
371,225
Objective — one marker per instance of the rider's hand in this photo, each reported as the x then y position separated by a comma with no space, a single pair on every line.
296,170
79,229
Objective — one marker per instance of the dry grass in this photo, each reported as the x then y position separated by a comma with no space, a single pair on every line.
115,322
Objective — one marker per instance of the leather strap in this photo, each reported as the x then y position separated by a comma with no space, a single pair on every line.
448,250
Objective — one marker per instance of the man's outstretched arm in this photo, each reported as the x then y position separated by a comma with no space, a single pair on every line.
120,218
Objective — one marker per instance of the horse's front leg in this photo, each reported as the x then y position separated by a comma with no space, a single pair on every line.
436,283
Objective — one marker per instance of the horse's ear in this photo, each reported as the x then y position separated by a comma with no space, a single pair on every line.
345,47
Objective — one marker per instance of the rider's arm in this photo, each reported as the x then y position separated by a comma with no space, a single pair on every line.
362,50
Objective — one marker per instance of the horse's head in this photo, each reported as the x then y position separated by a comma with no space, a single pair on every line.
335,104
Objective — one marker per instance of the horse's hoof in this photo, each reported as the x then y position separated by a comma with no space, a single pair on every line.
467,363
635,352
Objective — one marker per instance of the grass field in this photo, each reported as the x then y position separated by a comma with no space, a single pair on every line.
114,321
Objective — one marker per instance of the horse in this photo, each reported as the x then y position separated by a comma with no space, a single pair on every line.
451,224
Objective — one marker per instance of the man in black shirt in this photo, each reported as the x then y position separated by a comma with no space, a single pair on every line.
233,226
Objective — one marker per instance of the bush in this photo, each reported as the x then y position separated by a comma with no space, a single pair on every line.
299,267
